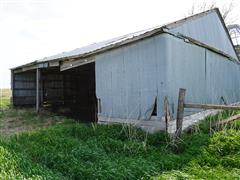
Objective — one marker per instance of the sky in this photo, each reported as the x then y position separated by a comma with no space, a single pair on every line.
34,29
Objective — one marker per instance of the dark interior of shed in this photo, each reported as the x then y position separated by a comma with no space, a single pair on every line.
80,93
70,93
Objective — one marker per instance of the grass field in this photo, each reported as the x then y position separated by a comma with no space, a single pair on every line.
5,98
59,148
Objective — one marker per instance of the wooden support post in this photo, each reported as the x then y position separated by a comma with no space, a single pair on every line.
180,112
41,90
167,112
37,88
12,88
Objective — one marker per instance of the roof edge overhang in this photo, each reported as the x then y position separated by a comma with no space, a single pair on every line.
164,29
97,51
144,35
74,61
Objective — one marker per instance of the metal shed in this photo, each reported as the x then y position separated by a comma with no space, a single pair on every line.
125,79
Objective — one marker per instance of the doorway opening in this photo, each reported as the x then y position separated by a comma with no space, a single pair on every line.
80,92
71,93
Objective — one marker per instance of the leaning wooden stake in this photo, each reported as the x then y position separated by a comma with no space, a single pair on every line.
180,113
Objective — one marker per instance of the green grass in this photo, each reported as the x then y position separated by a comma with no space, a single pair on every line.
5,98
75,150
70,150
89,151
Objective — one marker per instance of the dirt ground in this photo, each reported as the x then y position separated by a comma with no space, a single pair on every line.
13,121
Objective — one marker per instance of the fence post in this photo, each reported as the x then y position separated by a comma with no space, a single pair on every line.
180,112
166,112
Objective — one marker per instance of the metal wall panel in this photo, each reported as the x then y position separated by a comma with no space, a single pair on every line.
222,79
207,76
128,79
185,69
209,30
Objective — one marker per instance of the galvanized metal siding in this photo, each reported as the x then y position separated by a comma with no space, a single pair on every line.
185,69
209,30
222,79
129,79
206,75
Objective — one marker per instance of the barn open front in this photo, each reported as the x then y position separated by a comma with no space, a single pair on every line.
70,93
79,92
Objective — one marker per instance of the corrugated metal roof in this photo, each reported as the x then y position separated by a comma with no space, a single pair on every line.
116,42
99,45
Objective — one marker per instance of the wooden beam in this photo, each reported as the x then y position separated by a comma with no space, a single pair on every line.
220,124
54,63
180,112
76,63
37,88
19,70
210,106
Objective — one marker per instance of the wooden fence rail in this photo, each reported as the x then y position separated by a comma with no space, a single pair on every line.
211,106
182,105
